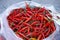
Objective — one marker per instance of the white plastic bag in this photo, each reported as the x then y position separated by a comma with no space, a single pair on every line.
7,31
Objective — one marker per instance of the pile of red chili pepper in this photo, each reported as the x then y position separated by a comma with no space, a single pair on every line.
31,23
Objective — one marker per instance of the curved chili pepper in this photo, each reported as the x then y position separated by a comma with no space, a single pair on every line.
28,19
39,38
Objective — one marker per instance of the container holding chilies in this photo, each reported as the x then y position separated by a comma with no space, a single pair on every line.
9,34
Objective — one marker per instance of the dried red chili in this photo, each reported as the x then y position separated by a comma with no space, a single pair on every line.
31,23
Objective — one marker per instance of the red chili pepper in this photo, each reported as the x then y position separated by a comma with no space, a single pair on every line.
47,33
34,23
27,7
21,35
39,38
53,26
30,13
28,19
27,24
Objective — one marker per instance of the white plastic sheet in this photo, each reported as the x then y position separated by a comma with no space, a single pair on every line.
7,31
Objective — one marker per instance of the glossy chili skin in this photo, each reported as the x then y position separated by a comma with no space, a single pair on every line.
31,23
